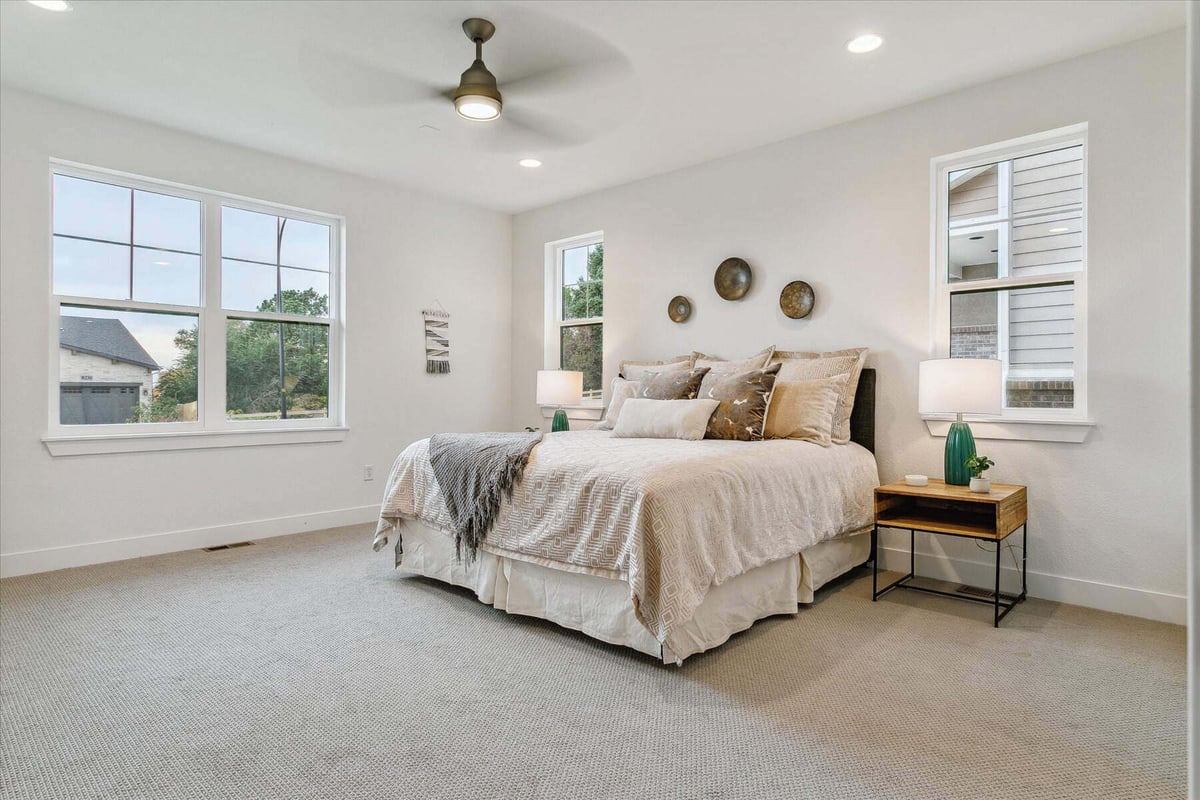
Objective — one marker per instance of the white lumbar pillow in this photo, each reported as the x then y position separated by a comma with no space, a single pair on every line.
664,419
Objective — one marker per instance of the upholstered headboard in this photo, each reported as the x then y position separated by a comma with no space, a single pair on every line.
862,418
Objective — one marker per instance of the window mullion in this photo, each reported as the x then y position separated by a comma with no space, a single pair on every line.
211,389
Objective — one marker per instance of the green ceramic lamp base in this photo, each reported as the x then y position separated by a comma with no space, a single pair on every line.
560,424
960,445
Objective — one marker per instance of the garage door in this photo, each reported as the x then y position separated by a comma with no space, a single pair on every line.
97,404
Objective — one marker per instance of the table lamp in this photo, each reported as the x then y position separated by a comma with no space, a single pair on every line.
959,386
556,387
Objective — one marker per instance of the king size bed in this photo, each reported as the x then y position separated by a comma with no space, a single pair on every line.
668,547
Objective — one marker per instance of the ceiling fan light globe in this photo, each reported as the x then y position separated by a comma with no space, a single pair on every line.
477,107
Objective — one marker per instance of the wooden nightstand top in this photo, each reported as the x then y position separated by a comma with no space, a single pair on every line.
939,488
954,510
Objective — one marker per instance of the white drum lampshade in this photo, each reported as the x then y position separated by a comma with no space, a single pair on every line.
959,386
556,387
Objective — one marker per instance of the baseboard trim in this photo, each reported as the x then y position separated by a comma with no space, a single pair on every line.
26,562
1144,603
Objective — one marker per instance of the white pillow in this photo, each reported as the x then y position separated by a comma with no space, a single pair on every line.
664,419
621,391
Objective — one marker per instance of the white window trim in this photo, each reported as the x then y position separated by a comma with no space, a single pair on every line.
211,429
553,310
1031,424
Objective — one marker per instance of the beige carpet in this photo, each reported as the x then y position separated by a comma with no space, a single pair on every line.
305,667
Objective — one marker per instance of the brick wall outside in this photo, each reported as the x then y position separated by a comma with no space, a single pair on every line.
980,341
973,341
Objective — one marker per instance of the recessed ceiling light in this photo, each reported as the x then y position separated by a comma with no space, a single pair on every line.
865,43
531,163
1060,230
52,5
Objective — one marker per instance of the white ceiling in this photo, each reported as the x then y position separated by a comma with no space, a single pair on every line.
633,88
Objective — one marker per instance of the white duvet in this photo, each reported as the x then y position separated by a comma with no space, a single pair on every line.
672,518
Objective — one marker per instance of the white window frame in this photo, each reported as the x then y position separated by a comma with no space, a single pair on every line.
211,428
554,320
1012,423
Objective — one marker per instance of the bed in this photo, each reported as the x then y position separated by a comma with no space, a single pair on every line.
667,547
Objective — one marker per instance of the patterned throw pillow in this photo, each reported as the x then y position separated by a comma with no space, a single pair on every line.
621,391
636,370
671,385
802,366
743,400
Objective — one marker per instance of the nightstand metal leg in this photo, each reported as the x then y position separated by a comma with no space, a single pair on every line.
1024,556
996,597
874,563
912,554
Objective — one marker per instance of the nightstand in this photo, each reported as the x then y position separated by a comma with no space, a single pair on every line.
943,509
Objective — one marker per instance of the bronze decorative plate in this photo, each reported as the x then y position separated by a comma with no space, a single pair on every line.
797,299
732,280
679,309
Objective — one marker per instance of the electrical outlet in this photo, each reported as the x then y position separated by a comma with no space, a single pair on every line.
368,472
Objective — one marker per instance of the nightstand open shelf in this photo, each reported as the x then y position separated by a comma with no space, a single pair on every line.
940,508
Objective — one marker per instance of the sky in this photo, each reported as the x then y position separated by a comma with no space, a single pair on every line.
115,243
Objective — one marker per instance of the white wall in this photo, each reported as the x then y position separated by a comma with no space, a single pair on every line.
847,209
403,249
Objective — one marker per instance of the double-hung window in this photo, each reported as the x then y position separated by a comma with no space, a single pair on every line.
1010,268
181,310
575,306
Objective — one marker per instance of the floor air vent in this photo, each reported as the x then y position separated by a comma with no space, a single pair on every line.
975,591
227,546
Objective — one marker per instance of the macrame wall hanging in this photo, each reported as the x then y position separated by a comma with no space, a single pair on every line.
437,340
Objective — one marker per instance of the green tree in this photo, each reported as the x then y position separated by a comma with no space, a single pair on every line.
582,345
252,368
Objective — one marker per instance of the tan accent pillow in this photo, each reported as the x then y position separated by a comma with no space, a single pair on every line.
805,409
671,385
635,370
719,366
798,366
664,419
744,398
621,391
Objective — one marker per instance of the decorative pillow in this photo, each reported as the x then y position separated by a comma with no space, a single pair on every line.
671,385
744,398
664,419
622,390
636,370
804,409
801,366
719,366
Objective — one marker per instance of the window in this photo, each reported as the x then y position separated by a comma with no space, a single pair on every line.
1010,261
576,282
182,310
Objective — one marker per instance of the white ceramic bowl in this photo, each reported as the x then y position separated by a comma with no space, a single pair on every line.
916,480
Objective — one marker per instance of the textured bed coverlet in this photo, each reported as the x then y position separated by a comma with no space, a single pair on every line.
672,518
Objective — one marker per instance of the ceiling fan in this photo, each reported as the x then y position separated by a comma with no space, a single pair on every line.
561,95
477,97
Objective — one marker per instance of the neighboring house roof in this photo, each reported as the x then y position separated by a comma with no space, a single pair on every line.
103,337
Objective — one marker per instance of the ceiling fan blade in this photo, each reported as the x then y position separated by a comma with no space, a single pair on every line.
543,129
570,78
344,81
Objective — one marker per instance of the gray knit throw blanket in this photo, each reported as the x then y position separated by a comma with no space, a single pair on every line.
475,471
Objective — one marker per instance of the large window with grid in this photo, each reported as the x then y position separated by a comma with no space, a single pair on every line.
188,310
1010,268
578,302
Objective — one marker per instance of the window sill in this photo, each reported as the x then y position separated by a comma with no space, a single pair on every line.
192,440
1029,430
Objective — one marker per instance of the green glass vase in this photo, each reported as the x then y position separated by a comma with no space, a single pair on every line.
560,424
960,445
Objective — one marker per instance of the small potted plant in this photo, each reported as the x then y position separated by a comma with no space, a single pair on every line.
977,465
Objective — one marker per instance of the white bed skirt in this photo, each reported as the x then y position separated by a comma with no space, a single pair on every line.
603,608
